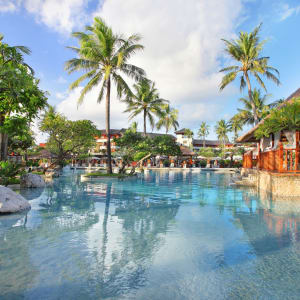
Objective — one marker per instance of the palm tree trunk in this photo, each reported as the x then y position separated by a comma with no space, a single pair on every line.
3,141
108,146
251,99
204,141
145,115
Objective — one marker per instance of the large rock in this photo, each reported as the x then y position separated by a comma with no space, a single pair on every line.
11,202
32,181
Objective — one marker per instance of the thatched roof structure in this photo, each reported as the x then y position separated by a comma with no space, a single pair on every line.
186,151
44,153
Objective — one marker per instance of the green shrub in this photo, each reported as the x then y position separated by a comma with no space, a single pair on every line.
237,164
31,163
8,172
166,163
38,172
202,163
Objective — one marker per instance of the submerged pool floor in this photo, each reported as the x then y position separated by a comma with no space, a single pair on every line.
164,235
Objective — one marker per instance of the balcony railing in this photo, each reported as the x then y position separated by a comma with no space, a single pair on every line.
280,160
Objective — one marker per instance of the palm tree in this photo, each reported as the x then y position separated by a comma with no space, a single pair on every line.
236,125
222,128
188,133
103,57
276,103
203,132
146,100
246,116
134,126
168,118
246,50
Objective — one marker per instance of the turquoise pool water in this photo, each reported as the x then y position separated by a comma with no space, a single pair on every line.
165,235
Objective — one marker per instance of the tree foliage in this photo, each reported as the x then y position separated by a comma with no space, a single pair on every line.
67,138
188,133
203,131
245,115
285,118
9,171
247,50
133,145
222,129
21,99
168,118
20,137
145,101
103,57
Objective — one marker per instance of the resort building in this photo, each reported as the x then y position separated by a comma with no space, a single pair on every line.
101,140
184,140
275,164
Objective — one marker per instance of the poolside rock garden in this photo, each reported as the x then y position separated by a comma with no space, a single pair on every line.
32,181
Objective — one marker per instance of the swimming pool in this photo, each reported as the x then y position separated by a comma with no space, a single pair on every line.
163,235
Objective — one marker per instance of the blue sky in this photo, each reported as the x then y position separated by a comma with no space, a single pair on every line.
183,51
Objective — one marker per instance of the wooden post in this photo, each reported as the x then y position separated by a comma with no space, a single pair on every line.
280,157
258,159
297,154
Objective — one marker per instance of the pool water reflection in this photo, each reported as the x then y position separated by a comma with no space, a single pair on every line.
164,235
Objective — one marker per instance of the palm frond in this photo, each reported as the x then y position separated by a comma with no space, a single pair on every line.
227,79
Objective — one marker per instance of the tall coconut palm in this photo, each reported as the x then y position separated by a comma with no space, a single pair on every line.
103,57
246,116
222,128
188,133
168,119
236,126
203,132
246,50
146,100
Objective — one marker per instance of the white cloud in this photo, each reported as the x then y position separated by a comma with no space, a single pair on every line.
60,15
182,54
92,110
183,47
61,96
9,5
286,11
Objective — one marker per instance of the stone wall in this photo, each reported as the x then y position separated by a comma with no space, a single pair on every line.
278,184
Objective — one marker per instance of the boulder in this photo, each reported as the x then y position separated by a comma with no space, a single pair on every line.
32,181
11,202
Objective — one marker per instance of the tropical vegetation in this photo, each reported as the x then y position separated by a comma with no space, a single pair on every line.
285,118
203,132
246,50
67,139
168,118
246,116
236,125
135,146
222,129
103,57
145,101
21,99
188,133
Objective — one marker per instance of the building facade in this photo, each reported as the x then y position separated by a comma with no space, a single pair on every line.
275,165
196,144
